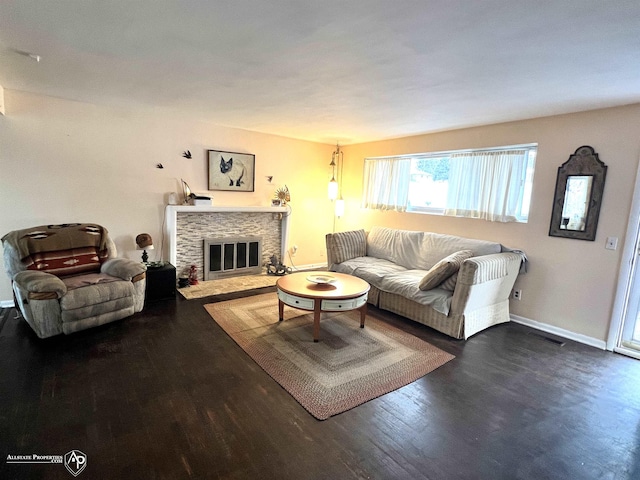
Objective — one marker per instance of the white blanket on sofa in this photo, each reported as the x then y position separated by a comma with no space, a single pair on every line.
389,277
421,250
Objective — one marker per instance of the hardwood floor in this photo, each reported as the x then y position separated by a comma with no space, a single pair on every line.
167,394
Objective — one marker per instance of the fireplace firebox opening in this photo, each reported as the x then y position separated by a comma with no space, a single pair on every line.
231,256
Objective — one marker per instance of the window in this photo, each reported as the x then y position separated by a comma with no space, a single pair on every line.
428,184
492,184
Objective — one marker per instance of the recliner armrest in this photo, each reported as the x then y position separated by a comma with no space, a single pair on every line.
123,268
40,285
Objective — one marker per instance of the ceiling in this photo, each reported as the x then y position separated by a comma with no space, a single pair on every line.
328,71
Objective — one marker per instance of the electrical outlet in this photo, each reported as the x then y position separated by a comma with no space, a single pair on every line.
517,294
612,243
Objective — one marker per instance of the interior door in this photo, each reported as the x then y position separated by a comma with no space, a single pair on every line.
629,342
624,329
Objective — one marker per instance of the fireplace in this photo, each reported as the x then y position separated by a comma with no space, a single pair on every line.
230,256
186,226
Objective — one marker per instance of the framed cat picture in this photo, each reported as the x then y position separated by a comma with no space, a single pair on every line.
231,171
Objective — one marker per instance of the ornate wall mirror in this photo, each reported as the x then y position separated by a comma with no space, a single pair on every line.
578,195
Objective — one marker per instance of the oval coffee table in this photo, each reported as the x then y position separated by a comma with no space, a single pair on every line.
322,292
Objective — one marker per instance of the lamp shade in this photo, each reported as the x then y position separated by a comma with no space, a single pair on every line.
339,211
144,242
333,189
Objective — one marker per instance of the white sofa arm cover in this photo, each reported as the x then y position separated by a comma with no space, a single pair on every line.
123,268
486,267
40,284
484,281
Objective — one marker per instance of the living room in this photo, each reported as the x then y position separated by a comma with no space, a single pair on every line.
108,158
65,160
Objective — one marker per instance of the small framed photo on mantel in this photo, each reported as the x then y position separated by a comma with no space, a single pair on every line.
231,171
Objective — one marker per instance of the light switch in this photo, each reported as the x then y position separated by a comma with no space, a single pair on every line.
612,243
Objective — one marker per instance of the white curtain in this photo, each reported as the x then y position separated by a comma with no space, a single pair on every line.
386,183
486,185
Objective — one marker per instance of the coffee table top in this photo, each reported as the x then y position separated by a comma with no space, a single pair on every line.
340,286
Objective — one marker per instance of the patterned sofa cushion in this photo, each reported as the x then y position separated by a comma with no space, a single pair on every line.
348,245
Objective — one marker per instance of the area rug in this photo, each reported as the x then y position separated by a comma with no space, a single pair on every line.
346,368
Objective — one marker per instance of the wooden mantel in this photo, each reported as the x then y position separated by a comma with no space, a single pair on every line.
171,220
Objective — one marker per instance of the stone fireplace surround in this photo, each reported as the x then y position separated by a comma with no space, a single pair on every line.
187,226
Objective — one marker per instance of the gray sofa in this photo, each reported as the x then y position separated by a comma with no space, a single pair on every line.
67,278
458,286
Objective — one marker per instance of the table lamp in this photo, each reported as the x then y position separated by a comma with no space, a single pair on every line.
144,243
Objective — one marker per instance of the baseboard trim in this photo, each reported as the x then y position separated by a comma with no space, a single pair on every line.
310,266
6,304
561,332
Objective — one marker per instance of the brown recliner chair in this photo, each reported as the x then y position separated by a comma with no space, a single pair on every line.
67,278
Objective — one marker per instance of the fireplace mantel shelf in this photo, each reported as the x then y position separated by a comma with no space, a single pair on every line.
171,220
216,208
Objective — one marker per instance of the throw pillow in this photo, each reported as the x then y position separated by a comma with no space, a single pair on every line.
450,283
444,269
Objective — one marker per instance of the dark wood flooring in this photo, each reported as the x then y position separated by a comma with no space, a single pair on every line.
166,394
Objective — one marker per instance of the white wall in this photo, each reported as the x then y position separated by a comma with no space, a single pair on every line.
571,283
63,161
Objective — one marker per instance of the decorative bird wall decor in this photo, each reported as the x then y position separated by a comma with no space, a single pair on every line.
159,165
186,154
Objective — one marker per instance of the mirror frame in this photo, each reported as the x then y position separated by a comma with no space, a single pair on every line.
584,161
